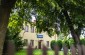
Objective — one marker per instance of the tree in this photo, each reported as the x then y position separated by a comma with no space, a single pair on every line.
56,16
5,9
14,28
69,16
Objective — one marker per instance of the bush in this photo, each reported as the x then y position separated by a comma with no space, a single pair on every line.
82,41
59,43
68,42
18,43
54,43
71,42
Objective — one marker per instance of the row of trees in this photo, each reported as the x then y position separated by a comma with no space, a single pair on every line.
53,16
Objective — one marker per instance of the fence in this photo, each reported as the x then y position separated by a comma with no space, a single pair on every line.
74,50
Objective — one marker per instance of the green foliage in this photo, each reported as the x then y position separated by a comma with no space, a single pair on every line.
71,41
59,43
54,43
68,42
48,12
82,41
19,43
14,28
16,38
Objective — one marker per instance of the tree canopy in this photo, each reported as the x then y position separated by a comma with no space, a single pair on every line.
55,16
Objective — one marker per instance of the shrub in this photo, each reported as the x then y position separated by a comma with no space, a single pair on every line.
59,43
82,41
68,42
54,43
18,43
71,42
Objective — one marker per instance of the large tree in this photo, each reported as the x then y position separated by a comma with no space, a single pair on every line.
5,9
69,16
55,15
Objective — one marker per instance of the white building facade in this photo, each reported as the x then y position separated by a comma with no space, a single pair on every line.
30,36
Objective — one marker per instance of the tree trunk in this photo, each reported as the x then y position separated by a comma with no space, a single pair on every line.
4,17
5,9
70,25
78,31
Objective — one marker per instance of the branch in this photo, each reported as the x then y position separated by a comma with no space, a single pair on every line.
70,25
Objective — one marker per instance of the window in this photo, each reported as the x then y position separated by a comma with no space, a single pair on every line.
32,29
32,42
26,28
25,42
47,43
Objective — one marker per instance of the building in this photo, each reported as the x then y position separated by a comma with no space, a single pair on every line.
30,36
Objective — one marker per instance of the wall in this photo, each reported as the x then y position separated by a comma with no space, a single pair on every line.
33,36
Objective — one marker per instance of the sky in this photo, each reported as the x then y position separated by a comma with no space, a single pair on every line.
33,18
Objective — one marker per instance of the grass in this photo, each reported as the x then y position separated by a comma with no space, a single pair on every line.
38,52
21,52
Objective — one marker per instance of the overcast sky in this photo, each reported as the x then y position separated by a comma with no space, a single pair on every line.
33,18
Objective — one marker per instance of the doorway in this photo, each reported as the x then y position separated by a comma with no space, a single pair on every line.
40,44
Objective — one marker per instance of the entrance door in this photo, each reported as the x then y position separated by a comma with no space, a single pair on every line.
39,44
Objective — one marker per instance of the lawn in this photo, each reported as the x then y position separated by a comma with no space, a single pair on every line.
22,52
38,52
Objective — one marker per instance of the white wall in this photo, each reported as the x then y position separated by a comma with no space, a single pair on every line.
33,36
